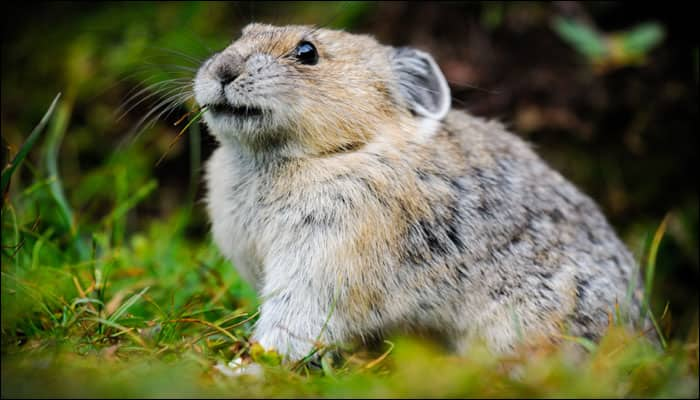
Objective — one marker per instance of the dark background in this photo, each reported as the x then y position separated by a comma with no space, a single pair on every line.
625,131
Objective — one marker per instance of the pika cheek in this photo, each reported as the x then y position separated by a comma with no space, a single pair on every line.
206,91
255,64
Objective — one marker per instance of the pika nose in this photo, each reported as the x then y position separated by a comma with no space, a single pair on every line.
227,67
225,74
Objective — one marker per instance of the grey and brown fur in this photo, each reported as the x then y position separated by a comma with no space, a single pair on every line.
359,198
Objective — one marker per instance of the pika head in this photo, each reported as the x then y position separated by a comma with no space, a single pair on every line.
314,90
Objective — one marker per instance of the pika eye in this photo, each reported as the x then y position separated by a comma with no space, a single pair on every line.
306,53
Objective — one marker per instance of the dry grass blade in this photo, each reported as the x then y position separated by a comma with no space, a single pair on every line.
381,358
170,146
209,324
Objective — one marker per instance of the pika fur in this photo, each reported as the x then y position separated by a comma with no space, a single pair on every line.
358,204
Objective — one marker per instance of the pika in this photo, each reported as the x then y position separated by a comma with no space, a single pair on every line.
358,203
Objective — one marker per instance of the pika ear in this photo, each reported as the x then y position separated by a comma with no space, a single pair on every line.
421,83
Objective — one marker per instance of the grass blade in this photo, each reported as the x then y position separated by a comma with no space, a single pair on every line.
586,343
58,127
127,304
28,144
649,276
653,251
59,124
122,329
581,37
140,194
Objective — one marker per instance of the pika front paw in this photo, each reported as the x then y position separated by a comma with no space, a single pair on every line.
290,347
240,367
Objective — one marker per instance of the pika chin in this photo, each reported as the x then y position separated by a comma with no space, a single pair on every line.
359,204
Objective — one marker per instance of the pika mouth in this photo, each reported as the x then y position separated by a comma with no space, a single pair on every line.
240,111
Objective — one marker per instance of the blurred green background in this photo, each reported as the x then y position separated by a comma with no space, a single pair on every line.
606,92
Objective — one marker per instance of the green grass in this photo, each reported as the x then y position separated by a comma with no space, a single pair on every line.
91,307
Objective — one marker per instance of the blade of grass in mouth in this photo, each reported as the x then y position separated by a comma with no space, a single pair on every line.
196,118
